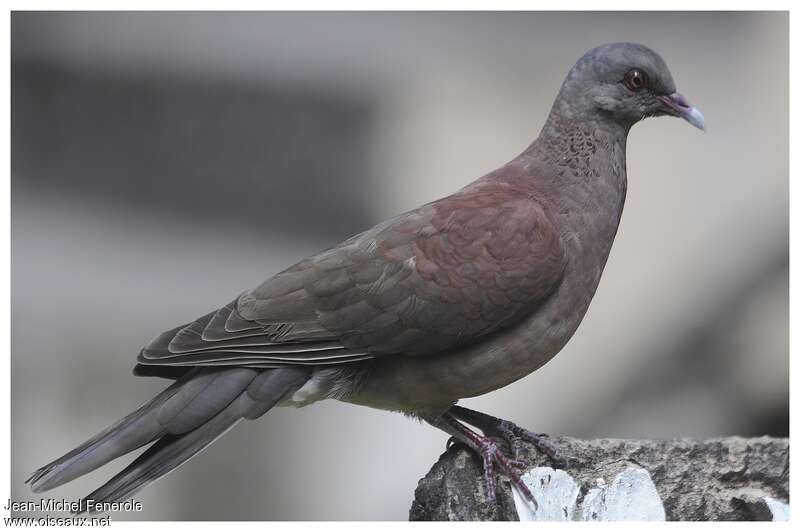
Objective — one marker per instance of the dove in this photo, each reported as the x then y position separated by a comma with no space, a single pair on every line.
454,299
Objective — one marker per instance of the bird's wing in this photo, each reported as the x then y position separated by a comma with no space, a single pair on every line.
432,279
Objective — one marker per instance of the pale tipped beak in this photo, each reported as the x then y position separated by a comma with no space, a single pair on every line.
677,105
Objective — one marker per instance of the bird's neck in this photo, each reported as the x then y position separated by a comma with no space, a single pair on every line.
579,167
578,153
580,170
562,124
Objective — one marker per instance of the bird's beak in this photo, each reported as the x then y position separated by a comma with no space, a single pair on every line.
676,105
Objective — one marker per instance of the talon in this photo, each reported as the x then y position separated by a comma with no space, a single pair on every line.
492,456
539,440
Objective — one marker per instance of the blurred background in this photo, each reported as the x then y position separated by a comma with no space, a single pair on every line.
163,163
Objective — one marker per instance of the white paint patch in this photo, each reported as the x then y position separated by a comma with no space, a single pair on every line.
555,492
632,496
780,510
592,504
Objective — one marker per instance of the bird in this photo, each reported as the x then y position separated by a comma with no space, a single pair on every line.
451,300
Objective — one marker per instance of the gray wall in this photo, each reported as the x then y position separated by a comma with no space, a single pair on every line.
163,163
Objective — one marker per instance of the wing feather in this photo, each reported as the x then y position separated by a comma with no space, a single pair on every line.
427,281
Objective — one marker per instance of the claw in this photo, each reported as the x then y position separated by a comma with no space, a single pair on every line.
512,432
488,449
492,454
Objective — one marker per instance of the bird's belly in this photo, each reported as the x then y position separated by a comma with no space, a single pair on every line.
433,383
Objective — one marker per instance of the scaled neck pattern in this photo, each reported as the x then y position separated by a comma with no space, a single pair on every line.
575,160
572,145
583,177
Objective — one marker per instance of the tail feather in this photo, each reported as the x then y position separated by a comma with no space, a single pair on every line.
184,419
131,432
171,451
167,454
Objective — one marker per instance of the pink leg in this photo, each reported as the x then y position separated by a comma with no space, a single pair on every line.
489,451
509,431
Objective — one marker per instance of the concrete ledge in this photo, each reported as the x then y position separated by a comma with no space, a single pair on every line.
612,480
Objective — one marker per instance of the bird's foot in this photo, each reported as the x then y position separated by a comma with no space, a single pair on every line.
511,432
508,431
492,456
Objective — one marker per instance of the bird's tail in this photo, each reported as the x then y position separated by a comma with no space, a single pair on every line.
182,420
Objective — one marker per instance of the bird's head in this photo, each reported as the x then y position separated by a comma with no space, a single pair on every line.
624,83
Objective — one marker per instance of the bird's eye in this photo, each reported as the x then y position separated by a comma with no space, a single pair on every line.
636,79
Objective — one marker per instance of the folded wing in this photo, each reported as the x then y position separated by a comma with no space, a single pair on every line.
427,281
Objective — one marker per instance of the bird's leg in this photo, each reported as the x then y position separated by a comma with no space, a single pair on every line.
509,431
489,451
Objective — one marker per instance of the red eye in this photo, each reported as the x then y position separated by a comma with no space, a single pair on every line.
635,79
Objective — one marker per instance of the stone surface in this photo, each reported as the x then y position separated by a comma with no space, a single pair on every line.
718,479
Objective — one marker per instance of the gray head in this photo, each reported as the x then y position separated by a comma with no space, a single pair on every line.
622,83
